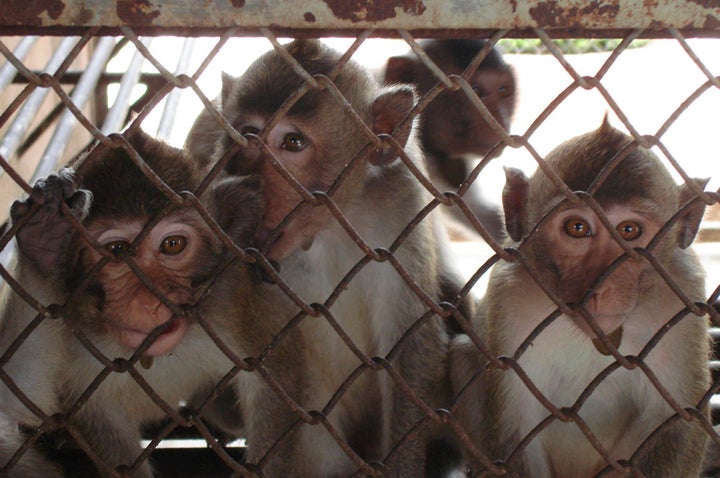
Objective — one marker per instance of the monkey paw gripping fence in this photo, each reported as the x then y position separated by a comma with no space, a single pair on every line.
77,74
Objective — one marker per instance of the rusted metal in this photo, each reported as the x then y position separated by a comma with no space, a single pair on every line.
408,19
29,108
384,17
80,95
117,115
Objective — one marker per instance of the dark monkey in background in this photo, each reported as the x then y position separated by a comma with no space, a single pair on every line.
452,130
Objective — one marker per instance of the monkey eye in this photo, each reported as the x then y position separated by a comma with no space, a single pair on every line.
576,227
504,91
172,245
479,91
249,130
294,142
629,230
118,248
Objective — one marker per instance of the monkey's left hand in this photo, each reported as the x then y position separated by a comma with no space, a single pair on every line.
42,237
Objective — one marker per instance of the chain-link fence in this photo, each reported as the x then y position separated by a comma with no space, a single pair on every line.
326,320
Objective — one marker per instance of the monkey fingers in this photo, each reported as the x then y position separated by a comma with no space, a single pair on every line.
42,237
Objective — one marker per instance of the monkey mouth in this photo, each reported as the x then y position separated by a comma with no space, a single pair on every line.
264,235
610,324
615,338
169,335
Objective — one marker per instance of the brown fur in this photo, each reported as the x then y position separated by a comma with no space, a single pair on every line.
625,409
245,314
315,253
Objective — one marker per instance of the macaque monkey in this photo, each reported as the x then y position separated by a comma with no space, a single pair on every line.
608,298
452,129
322,146
196,285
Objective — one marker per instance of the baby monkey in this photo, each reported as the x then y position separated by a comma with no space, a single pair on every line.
573,296
131,339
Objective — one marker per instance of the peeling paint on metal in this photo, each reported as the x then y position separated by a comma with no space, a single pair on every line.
385,17
372,11
705,3
22,12
712,22
84,16
553,15
137,12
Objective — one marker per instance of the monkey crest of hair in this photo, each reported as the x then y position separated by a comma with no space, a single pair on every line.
639,174
271,80
110,173
608,301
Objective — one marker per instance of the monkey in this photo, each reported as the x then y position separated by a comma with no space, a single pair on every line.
591,296
452,129
329,153
155,327
203,134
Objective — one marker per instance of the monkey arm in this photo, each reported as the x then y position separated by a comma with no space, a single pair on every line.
112,434
423,361
656,458
46,230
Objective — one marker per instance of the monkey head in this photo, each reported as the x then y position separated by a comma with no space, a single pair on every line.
156,256
318,146
451,126
568,243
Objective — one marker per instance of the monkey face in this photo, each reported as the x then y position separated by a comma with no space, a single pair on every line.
582,255
168,257
452,124
292,161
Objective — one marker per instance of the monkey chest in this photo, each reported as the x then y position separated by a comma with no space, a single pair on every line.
602,402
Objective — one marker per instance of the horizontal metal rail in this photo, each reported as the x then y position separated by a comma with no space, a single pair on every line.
193,18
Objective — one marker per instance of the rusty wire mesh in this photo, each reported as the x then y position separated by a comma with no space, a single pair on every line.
167,82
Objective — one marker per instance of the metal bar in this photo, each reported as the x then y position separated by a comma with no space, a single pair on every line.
8,70
81,94
167,120
394,14
118,112
29,109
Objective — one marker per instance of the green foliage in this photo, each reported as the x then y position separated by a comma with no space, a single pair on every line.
535,46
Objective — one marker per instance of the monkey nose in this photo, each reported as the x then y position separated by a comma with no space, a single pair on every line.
252,153
250,159
157,311
152,308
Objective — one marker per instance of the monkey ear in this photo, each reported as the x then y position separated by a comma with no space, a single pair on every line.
399,69
136,135
227,83
240,205
690,222
514,197
310,48
605,126
388,112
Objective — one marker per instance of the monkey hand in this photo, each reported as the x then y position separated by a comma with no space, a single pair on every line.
46,229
